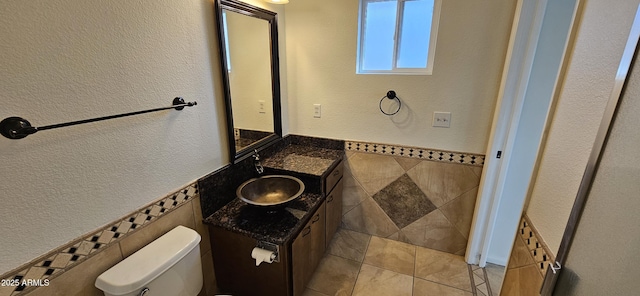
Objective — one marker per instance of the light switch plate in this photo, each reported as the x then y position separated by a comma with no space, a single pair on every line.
317,111
261,106
441,119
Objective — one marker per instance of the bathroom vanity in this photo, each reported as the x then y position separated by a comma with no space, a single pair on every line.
298,231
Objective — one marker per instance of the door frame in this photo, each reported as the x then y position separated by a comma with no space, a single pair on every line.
521,50
627,60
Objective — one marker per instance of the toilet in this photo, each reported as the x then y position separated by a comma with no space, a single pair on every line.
168,266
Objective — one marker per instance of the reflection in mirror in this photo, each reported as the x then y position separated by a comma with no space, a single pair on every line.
249,69
249,55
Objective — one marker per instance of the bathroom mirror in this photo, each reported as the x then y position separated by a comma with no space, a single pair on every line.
248,40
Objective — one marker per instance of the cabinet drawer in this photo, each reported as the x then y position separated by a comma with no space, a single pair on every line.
333,177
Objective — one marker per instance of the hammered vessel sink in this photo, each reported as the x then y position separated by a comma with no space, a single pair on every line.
270,190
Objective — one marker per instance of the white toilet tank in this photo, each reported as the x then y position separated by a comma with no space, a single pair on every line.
168,266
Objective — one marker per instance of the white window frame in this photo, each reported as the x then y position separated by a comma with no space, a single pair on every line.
401,71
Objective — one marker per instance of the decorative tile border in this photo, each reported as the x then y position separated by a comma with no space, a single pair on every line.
538,249
416,152
62,259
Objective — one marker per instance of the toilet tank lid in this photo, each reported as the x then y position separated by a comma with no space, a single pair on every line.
137,270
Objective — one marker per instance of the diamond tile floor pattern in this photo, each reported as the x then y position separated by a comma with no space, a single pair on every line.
361,264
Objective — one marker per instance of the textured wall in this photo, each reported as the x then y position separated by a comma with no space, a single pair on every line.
66,60
470,52
588,84
610,220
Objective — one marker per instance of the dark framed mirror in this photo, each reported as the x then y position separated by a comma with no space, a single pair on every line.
248,41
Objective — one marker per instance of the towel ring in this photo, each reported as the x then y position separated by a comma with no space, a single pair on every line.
391,95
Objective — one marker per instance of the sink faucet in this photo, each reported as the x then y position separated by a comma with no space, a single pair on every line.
256,162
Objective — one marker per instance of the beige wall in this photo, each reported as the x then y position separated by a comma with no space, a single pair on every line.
588,83
610,221
66,60
321,59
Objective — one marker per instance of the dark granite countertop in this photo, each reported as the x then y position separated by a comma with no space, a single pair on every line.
275,225
303,159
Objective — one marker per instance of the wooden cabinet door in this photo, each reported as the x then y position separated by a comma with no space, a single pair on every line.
237,272
317,239
300,259
307,250
334,212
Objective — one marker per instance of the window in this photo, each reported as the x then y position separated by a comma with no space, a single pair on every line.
397,36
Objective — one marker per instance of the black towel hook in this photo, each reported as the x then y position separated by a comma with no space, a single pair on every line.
391,95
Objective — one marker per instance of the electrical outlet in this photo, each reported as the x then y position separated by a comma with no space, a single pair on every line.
317,110
441,119
261,106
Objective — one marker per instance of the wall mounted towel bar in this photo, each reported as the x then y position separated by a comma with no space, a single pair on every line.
18,127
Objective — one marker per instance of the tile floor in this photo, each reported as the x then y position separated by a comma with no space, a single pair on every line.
362,264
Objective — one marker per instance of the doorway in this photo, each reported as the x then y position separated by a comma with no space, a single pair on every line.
535,64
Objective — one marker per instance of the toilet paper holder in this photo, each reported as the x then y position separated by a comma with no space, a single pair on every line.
271,247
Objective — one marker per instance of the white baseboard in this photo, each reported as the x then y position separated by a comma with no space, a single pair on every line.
498,261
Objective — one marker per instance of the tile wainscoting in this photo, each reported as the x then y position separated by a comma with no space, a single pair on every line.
529,261
414,195
73,268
